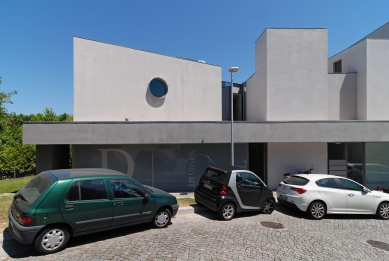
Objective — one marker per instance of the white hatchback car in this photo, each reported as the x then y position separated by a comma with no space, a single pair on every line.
321,194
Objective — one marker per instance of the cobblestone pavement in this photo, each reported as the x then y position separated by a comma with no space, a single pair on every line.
203,237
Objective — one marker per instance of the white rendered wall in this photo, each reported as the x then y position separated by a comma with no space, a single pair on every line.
297,81
377,79
354,60
342,96
286,157
111,84
256,98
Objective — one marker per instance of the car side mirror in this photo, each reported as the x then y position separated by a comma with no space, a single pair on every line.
147,196
366,190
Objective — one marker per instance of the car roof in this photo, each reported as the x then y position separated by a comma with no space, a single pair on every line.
317,176
82,172
226,168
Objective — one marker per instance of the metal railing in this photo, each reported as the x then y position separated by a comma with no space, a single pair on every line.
16,174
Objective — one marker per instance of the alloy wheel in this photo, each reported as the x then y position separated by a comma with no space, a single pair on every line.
228,211
268,207
317,210
384,210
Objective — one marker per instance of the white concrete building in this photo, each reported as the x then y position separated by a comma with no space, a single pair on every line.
163,119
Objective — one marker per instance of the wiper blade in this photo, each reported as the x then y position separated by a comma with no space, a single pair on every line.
20,196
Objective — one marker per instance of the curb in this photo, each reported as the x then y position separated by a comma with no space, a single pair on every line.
191,210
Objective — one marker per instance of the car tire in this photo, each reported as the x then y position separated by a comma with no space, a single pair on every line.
317,210
383,210
268,207
227,211
162,218
52,239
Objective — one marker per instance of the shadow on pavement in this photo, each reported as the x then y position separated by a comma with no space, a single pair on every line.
14,249
213,215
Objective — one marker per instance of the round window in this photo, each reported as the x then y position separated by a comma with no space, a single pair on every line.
158,88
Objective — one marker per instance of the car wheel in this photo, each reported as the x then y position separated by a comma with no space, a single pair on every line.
317,210
268,207
162,218
227,211
383,210
51,239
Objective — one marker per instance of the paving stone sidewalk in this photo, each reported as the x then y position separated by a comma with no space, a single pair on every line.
201,236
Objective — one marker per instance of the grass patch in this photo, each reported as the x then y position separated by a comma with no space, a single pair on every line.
11,185
5,203
186,202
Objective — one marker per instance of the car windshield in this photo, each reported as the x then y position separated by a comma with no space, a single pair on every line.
34,188
295,180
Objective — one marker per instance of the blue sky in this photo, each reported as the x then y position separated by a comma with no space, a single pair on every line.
36,37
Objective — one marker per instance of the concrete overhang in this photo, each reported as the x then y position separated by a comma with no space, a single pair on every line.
203,132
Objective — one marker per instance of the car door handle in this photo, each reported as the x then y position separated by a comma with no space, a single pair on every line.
68,206
119,203
351,195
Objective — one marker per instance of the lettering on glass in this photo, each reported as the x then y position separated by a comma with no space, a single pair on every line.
130,161
191,168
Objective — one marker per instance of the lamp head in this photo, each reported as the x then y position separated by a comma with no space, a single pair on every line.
233,69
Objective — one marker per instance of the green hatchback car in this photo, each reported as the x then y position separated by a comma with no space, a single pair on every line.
57,204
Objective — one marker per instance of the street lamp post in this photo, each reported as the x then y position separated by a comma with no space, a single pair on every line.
232,70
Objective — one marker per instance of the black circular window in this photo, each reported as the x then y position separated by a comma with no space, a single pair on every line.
158,88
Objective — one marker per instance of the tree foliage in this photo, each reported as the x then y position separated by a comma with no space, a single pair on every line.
13,154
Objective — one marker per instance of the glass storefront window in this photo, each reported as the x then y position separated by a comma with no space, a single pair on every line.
346,160
176,167
179,167
377,165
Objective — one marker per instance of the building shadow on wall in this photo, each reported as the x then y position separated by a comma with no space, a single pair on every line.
154,102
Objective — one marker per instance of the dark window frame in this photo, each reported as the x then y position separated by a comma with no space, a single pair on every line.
80,194
338,66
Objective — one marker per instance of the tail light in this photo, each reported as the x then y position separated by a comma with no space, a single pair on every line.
23,220
299,190
223,190
380,188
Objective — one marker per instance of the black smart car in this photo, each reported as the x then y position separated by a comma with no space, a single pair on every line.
229,190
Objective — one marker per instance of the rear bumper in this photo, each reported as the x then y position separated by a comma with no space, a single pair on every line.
24,235
288,204
203,199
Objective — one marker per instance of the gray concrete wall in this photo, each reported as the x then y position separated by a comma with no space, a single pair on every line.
111,84
380,33
256,86
287,157
354,59
49,157
204,132
297,81
342,96
378,79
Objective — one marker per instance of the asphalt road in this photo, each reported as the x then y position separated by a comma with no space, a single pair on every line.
201,236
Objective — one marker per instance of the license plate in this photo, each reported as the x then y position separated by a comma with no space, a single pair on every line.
283,197
208,186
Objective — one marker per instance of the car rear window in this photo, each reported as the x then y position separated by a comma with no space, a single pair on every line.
217,176
35,187
298,181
